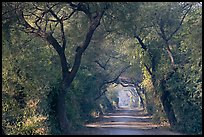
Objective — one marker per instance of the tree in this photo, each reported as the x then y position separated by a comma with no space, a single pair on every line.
48,15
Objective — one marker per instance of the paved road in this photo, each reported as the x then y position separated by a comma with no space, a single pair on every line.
125,122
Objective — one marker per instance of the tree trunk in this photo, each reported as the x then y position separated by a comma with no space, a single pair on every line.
141,99
168,108
61,112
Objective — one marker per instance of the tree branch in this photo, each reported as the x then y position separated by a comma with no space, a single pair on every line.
111,81
120,73
148,69
51,40
171,35
70,15
170,55
62,28
80,49
102,66
25,23
140,41
161,27
100,95
80,7
54,43
127,85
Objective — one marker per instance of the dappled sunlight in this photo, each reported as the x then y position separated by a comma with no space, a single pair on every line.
141,117
138,125
125,118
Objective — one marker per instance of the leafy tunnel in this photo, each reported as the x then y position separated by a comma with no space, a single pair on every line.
66,63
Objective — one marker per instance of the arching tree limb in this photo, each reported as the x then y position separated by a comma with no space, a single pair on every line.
111,81
102,65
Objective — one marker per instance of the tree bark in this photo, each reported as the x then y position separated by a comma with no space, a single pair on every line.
168,108
61,113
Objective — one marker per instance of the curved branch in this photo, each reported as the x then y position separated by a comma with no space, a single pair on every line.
25,23
120,73
111,81
102,66
127,85
62,28
171,35
81,7
80,49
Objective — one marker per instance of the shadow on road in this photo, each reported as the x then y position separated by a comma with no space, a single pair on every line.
125,121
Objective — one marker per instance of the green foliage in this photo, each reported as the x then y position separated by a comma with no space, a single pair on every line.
26,73
31,68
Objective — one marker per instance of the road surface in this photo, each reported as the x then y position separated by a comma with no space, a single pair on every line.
125,121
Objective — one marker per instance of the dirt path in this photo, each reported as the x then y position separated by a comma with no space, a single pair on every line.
125,122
